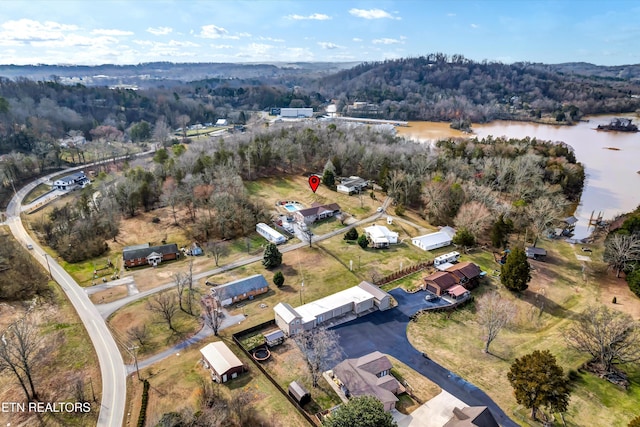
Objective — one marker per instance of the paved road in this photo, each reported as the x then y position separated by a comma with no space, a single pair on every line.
386,331
112,369
108,309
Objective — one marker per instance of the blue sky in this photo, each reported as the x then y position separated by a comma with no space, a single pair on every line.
134,31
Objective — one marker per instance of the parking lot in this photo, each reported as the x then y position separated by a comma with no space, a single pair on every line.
386,331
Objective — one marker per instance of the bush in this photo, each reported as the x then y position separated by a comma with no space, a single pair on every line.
352,234
614,300
143,405
278,279
399,209
363,241
633,280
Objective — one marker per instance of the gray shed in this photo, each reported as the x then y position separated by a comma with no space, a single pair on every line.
299,393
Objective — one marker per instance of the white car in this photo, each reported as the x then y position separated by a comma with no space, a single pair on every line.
379,209
29,246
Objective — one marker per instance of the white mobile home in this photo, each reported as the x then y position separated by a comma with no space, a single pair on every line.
296,112
270,234
446,258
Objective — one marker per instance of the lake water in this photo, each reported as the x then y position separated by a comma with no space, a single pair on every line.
612,185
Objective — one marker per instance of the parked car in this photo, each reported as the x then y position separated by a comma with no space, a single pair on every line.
431,297
29,246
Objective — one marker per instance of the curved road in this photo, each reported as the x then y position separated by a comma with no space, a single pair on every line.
112,368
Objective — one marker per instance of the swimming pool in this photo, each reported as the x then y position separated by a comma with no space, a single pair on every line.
291,208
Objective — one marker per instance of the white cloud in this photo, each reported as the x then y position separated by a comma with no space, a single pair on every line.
386,41
28,30
475,26
159,31
313,17
271,39
221,46
356,39
372,14
105,32
329,45
213,32
451,14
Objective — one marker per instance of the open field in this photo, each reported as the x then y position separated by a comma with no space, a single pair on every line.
322,276
421,387
559,290
175,385
160,337
36,192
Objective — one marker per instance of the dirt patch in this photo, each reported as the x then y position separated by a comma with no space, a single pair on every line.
626,301
109,295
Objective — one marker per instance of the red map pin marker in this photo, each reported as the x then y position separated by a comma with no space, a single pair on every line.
314,182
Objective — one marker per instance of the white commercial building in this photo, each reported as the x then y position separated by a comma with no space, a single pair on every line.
436,240
296,112
380,236
356,300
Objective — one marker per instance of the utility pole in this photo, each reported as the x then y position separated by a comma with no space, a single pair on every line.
301,290
46,256
93,394
132,350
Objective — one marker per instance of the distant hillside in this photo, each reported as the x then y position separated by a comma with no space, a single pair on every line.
167,74
622,72
438,87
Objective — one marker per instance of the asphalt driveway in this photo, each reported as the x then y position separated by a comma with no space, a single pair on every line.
386,331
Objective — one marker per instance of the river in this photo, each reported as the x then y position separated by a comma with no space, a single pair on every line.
612,185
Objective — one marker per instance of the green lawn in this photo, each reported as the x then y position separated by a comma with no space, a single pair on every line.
557,292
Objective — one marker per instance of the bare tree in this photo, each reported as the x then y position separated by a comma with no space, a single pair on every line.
161,131
620,250
494,313
320,349
474,216
217,249
19,346
183,120
164,304
190,290
140,334
609,336
180,279
211,313
542,213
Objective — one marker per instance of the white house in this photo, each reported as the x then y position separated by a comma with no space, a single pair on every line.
380,236
436,240
352,185
71,182
222,122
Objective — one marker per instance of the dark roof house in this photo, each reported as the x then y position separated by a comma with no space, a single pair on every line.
465,271
370,375
472,416
241,289
440,281
145,254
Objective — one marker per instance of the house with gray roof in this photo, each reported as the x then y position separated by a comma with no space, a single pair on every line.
71,182
240,290
370,375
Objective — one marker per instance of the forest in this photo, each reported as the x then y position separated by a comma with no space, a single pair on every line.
471,184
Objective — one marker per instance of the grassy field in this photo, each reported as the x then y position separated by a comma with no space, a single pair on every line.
558,291
175,385
160,337
35,193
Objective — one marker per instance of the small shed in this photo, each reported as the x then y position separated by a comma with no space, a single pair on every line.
274,338
299,393
535,253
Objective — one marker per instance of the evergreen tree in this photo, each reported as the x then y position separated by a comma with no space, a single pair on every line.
363,411
278,279
538,381
352,234
272,256
363,241
500,232
516,272
329,174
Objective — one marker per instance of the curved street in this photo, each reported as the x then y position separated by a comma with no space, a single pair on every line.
112,369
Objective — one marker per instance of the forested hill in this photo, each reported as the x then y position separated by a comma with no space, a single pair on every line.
438,87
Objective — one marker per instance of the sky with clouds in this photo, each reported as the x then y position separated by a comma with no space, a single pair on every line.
136,31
